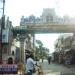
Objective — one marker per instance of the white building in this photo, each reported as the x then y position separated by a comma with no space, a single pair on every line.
48,15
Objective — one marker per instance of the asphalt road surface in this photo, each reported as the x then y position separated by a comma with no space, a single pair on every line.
57,69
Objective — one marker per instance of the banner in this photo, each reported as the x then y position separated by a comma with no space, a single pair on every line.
8,69
5,35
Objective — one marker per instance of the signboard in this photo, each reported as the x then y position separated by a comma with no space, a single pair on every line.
8,69
5,36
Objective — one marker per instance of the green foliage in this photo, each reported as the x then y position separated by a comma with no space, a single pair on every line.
39,43
41,52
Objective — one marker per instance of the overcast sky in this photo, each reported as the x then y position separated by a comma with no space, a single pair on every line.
16,8
48,40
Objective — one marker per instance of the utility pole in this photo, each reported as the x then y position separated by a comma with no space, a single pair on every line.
3,16
2,27
3,6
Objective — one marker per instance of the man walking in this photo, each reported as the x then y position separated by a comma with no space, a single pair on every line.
49,59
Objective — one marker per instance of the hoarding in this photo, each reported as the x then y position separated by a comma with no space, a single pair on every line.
5,35
8,69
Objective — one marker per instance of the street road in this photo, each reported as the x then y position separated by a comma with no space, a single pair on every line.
57,69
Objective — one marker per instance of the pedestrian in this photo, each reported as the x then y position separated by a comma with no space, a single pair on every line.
30,65
49,59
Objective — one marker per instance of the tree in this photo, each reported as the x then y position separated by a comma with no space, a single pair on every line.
39,43
41,51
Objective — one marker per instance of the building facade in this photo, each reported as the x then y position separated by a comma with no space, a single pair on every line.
7,36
